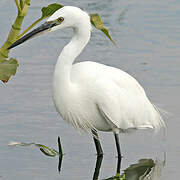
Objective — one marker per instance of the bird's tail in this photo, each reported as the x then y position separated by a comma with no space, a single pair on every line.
160,123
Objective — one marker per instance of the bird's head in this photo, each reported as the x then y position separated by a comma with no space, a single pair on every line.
67,16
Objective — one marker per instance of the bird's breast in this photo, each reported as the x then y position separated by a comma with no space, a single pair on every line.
78,109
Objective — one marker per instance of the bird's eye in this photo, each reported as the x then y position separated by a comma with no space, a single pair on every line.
60,19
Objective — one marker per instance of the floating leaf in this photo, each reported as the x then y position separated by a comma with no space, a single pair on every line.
7,69
117,177
123,177
14,143
46,150
142,168
50,9
98,24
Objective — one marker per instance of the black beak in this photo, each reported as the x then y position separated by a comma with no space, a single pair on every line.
40,30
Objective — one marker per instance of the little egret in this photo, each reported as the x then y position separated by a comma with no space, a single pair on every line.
92,96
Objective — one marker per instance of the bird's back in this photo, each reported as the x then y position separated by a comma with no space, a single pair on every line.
89,72
120,99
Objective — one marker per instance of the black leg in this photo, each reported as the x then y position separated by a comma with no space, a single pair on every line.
97,143
97,168
117,144
118,152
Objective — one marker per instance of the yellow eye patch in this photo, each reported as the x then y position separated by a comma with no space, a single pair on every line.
60,19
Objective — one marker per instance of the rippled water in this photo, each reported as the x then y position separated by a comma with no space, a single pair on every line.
147,34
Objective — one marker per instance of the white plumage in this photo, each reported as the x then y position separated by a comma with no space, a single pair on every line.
93,96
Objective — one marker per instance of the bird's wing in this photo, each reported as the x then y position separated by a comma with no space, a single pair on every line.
119,98
122,108
115,104
89,72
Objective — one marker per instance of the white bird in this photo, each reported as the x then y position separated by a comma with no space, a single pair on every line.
93,96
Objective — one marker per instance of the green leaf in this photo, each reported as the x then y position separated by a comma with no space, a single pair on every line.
50,9
46,150
98,24
46,12
95,18
142,168
7,69
123,177
117,177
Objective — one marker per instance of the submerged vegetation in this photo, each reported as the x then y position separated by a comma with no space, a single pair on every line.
8,67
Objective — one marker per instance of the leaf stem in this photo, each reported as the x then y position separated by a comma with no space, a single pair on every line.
15,30
18,6
12,37
21,4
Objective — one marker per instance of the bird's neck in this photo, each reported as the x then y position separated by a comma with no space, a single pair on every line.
62,75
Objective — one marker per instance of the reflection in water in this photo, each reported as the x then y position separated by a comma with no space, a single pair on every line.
145,169
60,154
60,162
118,166
98,166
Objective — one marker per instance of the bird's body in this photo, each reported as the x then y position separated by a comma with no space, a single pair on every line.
104,98
93,96
90,95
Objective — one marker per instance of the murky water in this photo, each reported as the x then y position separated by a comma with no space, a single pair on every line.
148,37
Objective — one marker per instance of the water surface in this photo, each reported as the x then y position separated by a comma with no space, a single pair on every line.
147,34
